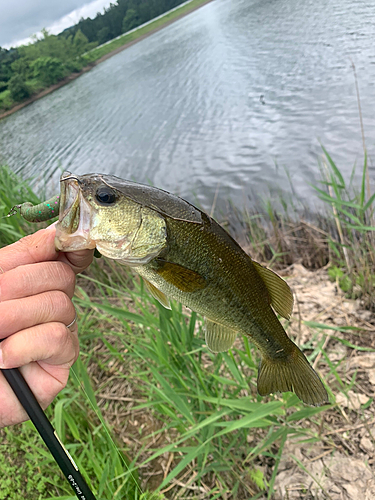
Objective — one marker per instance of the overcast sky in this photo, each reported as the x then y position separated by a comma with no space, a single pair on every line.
19,19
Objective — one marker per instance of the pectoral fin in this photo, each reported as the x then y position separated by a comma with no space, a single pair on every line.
157,294
219,338
280,293
179,276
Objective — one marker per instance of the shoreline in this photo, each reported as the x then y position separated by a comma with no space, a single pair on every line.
74,76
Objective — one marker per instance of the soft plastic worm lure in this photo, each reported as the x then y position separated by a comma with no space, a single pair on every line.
38,213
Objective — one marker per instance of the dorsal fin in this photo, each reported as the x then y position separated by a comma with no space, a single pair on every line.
157,294
280,293
219,338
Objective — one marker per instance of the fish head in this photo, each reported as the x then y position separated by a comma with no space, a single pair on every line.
94,213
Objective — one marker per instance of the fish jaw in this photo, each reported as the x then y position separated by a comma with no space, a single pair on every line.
73,227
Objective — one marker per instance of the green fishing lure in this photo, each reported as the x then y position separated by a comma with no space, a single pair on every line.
42,212
38,213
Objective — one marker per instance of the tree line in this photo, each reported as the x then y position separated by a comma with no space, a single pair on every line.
27,69
121,17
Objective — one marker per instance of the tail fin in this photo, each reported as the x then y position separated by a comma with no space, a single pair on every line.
291,374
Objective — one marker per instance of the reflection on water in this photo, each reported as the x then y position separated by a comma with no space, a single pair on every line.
182,108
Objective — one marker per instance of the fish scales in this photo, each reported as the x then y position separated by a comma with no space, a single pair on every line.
232,283
184,254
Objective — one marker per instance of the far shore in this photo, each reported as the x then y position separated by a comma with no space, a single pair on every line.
74,76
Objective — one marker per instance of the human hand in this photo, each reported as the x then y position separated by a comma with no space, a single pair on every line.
36,287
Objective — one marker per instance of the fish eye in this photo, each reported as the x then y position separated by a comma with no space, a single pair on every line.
105,195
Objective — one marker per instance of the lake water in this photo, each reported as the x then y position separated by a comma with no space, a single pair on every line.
182,108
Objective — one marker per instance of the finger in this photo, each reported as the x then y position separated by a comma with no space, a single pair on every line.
24,313
78,261
45,380
33,279
48,343
37,247
11,410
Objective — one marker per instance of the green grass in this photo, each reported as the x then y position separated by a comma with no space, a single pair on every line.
99,52
148,409
19,479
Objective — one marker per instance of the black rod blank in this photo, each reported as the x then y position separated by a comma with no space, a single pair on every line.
48,434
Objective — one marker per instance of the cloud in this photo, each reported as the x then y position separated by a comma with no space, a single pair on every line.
22,18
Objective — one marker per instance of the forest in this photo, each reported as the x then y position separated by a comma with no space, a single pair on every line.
28,69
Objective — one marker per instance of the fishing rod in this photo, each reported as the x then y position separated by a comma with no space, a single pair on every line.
48,433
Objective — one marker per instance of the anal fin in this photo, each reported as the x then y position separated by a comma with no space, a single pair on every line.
219,338
157,294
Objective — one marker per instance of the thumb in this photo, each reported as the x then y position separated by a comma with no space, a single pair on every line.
78,261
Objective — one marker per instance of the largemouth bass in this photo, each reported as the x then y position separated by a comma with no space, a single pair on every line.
182,253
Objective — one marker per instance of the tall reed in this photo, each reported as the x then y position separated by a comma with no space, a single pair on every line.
352,210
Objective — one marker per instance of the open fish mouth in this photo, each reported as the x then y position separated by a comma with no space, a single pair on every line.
73,228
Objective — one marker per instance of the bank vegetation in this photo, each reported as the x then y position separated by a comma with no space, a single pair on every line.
149,412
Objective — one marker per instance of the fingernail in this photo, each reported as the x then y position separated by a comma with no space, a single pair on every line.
1,359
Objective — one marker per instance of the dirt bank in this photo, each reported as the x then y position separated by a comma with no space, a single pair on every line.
340,464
